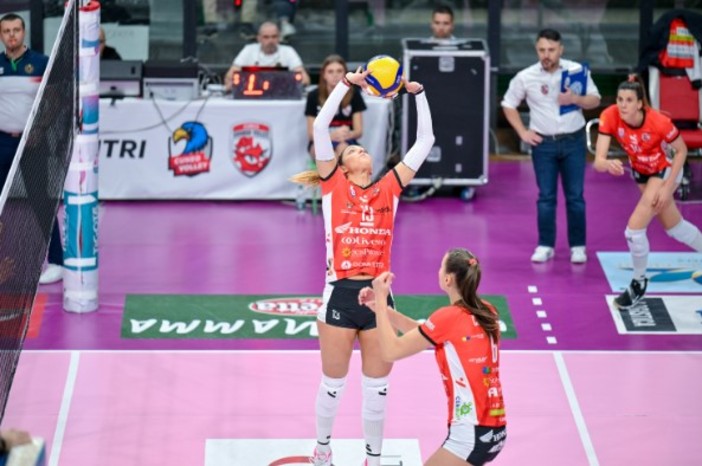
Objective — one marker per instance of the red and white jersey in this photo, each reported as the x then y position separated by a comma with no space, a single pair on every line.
645,145
469,363
358,224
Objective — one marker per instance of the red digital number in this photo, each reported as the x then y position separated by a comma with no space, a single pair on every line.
251,84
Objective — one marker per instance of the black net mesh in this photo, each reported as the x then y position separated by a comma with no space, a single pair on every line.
35,189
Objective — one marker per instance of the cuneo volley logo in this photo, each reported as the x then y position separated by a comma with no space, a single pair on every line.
194,155
252,148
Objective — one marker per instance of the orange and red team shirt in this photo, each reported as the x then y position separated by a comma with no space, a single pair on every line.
358,224
645,145
469,363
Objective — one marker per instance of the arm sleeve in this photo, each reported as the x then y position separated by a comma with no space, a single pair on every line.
515,93
322,142
425,135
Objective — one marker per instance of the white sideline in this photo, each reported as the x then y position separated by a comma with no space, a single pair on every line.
575,409
57,441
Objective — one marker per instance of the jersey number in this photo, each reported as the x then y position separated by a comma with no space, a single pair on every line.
495,352
367,217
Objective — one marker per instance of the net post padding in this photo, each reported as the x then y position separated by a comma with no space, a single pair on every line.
80,277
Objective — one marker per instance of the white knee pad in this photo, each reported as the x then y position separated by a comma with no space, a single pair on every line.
686,233
637,241
329,396
375,391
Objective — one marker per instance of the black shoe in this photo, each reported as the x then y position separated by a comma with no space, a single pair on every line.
632,295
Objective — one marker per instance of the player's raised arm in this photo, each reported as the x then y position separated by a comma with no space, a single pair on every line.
410,164
324,151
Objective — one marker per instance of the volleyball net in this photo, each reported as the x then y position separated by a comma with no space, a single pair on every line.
29,201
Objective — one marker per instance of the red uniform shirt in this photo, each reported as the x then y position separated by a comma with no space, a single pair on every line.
646,144
358,224
469,364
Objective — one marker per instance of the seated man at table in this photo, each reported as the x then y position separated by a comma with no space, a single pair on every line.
267,51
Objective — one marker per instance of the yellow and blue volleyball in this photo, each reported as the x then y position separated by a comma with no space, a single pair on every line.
385,77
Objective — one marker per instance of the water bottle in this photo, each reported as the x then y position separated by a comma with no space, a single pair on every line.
300,197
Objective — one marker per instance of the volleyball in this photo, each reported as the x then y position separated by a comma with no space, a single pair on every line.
385,78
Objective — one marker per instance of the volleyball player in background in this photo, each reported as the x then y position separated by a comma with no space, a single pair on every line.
359,219
646,136
466,337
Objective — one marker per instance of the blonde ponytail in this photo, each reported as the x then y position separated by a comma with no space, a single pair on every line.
307,178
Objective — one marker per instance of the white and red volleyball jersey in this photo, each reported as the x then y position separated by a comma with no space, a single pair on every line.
645,145
469,363
358,224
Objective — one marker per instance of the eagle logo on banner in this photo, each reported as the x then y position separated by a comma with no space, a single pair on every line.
196,156
252,148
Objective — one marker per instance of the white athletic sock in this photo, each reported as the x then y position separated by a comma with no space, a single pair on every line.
328,400
375,392
639,247
687,233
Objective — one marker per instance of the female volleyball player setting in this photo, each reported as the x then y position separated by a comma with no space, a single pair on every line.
646,135
465,336
358,218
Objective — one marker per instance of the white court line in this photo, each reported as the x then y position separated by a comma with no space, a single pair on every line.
57,443
575,409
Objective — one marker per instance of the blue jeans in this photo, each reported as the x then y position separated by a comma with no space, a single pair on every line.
564,157
8,148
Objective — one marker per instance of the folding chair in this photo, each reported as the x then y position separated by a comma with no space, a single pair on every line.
675,97
591,129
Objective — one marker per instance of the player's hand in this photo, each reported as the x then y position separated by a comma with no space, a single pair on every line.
358,77
615,167
413,87
381,285
661,198
366,297
567,97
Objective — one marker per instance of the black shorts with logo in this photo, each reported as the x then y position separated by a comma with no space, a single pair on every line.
340,306
663,174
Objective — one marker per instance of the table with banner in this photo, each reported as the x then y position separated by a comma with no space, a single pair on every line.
214,148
